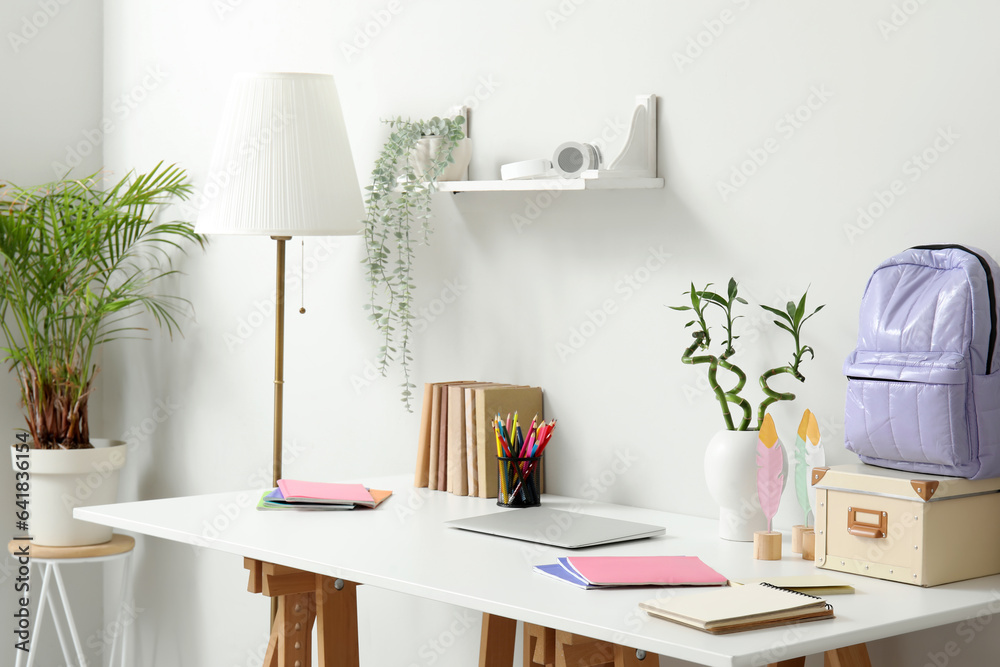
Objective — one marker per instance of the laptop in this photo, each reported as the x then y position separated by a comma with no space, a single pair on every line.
559,528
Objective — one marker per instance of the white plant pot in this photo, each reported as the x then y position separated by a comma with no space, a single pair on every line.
731,475
427,148
61,480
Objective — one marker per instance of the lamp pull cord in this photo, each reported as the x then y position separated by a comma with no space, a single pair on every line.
302,283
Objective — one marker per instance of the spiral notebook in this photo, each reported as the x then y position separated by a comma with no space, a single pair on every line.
739,608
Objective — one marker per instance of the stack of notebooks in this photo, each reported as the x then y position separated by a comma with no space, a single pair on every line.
456,448
611,571
749,607
814,584
299,495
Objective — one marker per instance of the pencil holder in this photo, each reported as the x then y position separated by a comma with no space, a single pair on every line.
520,481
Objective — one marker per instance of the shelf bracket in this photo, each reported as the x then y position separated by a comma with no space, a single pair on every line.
637,158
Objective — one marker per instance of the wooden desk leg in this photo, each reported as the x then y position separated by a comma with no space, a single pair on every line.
791,662
849,656
290,644
545,647
573,650
337,622
303,599
496,644
539,646
626,657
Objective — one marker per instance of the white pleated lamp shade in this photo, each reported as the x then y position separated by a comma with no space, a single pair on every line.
282,164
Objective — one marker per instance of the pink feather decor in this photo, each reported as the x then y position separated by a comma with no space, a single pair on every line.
769,470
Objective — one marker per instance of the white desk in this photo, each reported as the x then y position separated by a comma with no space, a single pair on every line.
403,546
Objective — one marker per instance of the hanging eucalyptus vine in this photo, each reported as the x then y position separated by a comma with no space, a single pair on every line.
397,217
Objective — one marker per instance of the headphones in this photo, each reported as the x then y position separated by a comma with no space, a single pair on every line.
572,158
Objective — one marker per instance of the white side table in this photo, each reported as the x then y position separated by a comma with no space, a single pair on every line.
50,561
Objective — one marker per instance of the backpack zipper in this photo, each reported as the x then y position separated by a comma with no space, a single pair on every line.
989,290
873,379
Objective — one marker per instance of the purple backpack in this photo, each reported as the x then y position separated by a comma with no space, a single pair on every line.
923,387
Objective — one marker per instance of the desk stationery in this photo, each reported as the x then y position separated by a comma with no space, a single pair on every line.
325,555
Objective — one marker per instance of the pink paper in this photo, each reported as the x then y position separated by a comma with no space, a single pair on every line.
294,490
645,570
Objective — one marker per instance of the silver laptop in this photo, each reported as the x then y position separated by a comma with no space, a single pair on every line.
557,527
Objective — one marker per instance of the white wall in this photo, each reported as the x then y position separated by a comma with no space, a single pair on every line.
544,72
51,59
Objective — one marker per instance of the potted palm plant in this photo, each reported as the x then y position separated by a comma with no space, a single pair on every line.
730,458
79,263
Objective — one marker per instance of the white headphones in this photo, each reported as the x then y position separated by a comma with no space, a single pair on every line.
573,158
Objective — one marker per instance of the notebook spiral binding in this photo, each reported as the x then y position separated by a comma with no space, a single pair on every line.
789,590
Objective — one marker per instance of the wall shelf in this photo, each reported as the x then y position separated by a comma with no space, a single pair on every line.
622,183
633,169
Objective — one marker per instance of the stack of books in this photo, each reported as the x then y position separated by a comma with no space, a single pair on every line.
456,447
294,494
613,571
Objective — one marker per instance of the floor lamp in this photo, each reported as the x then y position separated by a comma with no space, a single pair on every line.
282,167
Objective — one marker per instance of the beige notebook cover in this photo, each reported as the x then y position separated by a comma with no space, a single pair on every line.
471,454
458,475
526,401
421,475
813,584
739,608
458,480
434,436
471,447
442,478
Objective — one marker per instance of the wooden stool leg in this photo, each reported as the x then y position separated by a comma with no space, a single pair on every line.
496,643
337,622
849,656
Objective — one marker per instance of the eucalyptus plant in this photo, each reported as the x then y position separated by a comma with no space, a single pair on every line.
397,217
699,352
78,264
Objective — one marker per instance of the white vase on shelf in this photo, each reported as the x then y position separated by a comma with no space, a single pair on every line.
426,150
731,475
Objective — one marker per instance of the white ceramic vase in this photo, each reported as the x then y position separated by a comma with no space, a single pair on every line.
731,475
427,148
61,480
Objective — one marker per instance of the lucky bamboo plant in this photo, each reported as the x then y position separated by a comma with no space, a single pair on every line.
397,216
699,352
78,263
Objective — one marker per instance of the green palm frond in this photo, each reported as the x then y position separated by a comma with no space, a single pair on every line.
78,263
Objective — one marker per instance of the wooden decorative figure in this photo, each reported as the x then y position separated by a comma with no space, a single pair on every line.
770,481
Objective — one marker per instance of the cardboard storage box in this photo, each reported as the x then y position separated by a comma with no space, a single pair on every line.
917,529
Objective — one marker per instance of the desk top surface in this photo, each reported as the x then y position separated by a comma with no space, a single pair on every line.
404,546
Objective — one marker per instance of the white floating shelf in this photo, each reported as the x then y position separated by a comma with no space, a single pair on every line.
622,183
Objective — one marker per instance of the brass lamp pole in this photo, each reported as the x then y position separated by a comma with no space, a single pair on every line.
282,167
279,362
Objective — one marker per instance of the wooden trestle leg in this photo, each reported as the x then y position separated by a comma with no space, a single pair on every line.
305,598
